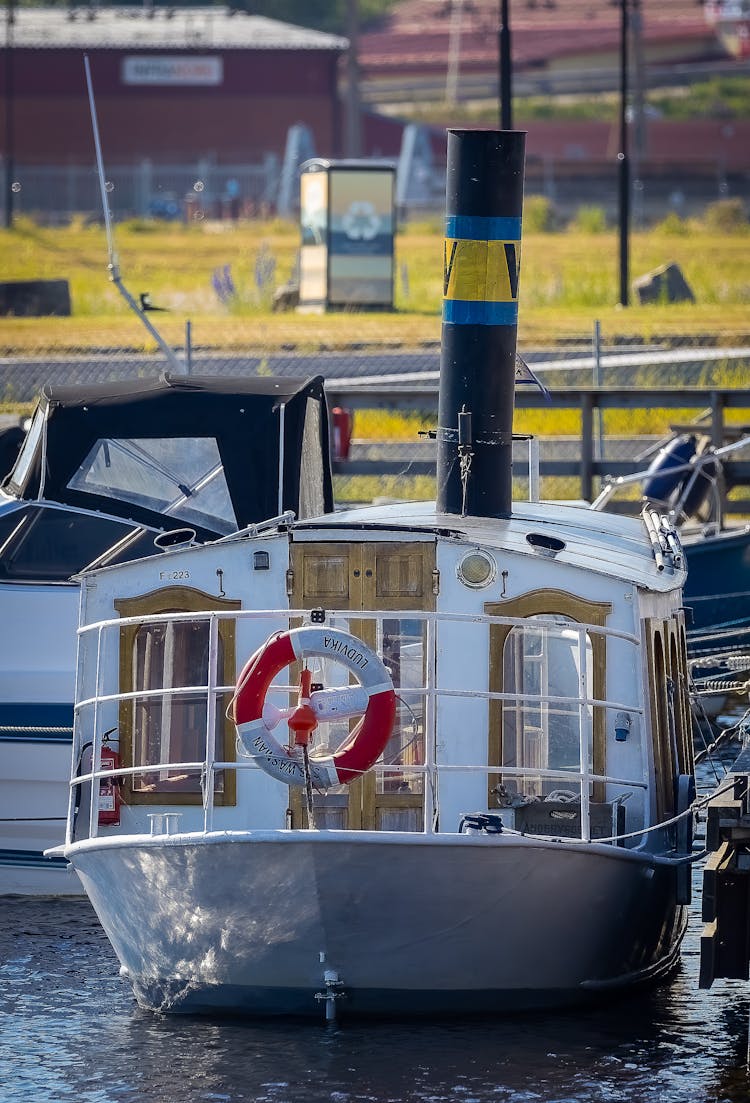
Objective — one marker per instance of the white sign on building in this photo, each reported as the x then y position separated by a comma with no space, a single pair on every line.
185,70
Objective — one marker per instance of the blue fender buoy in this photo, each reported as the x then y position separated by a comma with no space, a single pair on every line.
661,479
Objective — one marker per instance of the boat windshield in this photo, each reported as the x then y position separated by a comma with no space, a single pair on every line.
42,543
178,476
28,450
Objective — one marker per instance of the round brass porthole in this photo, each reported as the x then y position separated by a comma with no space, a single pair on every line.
477,569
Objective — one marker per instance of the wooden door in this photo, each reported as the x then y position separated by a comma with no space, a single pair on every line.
375,577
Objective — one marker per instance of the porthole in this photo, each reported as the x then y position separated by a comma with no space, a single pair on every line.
477,569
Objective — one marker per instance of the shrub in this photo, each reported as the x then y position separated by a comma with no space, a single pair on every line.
539,215
673,225
140,225
726,216
590,220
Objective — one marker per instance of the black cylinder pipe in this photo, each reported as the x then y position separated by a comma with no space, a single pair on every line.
484,201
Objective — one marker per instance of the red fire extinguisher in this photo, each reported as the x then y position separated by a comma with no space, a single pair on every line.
109,787
342,432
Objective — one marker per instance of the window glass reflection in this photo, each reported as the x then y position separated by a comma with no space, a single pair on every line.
172,728
546,671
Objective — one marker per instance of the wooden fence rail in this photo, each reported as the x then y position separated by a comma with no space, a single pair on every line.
710,403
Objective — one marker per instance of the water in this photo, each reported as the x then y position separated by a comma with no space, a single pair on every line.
70,1030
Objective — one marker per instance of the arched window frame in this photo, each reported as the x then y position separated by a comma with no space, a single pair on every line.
547,602
183,599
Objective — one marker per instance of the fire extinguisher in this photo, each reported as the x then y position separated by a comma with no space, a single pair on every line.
109,787
342,432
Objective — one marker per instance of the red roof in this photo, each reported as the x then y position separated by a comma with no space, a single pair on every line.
415,36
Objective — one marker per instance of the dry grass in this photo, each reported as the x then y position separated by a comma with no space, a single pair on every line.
568,280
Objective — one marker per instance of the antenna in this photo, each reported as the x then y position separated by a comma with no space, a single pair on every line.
113,267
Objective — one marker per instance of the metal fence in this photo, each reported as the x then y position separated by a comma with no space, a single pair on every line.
204,189
603,415
188,191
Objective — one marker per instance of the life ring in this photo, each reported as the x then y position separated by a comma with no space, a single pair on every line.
374,696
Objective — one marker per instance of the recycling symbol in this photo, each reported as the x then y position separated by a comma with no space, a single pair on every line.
361,222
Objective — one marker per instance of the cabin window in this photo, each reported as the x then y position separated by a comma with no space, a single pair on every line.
23,464
547,669
664,750
670,713
44,544
548,665
171,728
182,477
403,651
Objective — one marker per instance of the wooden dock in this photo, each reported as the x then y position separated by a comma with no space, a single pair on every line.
725,942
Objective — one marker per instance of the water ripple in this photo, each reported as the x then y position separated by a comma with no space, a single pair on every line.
71,1031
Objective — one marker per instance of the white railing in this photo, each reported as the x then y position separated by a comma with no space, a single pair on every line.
88,709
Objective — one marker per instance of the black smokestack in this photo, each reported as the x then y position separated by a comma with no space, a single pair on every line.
484,200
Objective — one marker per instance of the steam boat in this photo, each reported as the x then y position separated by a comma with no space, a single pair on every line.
404,759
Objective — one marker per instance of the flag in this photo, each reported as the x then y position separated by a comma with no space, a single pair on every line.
524,374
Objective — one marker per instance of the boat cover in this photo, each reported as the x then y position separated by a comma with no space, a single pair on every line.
242,415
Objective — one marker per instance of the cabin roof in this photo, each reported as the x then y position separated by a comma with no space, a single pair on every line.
606,543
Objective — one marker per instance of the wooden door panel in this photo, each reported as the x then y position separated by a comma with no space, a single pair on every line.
327,575
374,576
401,575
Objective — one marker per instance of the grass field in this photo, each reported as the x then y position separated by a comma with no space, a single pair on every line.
568,280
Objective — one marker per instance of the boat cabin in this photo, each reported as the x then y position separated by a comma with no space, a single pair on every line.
538,666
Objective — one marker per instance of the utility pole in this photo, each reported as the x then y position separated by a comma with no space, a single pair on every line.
622,160
454,53
504,75
353,134
10,18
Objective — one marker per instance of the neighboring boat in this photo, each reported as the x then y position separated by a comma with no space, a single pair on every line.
104,470
508,823
684,481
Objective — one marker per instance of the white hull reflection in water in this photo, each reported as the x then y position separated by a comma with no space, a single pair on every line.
256,923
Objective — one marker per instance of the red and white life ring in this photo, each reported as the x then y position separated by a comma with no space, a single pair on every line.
374,696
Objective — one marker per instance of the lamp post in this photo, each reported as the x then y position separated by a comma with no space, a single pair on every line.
504,75
623,164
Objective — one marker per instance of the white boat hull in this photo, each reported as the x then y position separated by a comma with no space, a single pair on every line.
34,793
37,682
408,924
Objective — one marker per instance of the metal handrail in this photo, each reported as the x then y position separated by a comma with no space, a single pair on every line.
286,614
429,693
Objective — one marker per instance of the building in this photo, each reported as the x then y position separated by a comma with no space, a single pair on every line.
207,88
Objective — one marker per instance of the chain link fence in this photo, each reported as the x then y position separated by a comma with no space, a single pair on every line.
605,414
